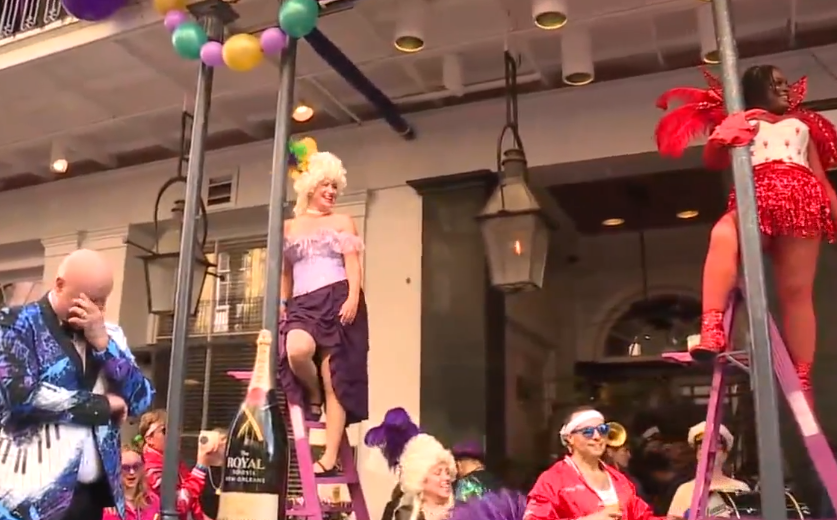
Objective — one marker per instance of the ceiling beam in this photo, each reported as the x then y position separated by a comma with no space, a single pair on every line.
92,152
171,77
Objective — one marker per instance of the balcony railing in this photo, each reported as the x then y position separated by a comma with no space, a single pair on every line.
21,16
218,318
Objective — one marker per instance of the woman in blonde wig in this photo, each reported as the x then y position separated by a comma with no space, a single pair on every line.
326,332
426,470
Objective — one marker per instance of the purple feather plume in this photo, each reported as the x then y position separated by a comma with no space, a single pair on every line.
392,435
496,505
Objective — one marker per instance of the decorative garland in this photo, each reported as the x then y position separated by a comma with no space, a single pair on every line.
240,52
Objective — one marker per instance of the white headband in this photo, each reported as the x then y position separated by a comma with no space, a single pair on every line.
578,419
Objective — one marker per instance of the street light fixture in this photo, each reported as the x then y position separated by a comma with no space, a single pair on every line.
161,266
514,230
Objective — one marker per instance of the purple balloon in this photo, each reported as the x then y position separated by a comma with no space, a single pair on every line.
173,19
93,10
273,40
212,54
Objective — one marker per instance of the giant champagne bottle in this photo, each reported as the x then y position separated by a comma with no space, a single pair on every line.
255,478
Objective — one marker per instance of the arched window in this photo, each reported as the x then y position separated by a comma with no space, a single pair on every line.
654,325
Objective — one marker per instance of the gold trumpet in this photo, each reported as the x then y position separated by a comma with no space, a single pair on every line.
617,436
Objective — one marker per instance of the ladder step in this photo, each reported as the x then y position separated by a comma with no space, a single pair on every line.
315,425
335,481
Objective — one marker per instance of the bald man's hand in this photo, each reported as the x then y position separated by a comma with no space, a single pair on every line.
87,316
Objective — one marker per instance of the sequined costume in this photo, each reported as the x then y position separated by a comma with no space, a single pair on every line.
320,287
474,485
478,481
790,154
50,400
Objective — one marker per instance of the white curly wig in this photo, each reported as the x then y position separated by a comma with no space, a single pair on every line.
322,167
420,455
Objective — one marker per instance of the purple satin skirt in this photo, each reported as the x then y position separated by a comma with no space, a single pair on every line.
347,346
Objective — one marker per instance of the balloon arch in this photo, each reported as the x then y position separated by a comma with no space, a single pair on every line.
240,52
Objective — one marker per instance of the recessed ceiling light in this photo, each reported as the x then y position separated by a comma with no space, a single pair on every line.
611,222
302,113
59,166
689,213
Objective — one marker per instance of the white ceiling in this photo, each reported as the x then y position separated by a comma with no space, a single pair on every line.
126,93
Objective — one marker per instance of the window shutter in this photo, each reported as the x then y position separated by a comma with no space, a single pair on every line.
160,375
225,392
193,386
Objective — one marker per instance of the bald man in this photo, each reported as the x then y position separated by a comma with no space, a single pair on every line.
67,381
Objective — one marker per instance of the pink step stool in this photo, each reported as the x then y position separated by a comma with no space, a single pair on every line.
812,434
309,504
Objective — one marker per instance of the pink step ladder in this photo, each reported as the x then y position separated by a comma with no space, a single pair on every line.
812,435
303,497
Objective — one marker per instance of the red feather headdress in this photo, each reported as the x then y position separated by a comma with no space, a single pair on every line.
701,110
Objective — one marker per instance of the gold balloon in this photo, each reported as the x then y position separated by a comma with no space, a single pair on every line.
164,6
310,145
242,52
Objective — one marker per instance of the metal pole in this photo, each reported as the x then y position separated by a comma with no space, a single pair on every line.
278,187
183,293
761,362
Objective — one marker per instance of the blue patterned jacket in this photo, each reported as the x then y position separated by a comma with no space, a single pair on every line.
46,397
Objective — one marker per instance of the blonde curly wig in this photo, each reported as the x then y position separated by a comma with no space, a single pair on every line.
420,455
322,167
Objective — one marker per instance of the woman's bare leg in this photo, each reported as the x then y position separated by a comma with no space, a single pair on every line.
795,267
335,422
300,347
720,271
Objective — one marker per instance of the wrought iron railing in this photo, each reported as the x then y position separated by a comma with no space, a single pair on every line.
20,16
240,316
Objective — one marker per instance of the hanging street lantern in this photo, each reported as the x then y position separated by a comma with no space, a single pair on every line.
161,266
514,228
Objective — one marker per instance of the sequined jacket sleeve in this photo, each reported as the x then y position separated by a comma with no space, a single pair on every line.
121,368
24,397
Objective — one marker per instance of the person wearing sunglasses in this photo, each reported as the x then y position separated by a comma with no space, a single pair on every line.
140,504
580,486
152,436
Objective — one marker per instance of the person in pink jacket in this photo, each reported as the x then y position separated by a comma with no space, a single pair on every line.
140,504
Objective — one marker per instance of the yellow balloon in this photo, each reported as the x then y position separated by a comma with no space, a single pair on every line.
164,6
310,145
242,52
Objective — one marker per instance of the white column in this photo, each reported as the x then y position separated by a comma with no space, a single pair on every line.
55,249
392,284
127,304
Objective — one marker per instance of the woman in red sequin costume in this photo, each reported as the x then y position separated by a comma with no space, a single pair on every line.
791,149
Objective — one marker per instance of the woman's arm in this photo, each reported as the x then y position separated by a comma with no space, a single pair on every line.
819,173
287,282
351,247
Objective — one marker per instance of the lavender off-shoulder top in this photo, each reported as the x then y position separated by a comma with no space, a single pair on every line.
317,258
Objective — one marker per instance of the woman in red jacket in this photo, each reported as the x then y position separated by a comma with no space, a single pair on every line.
152,431
581,486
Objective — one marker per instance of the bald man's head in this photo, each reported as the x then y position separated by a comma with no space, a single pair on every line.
82,272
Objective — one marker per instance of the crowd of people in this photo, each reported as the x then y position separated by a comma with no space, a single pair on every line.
68,380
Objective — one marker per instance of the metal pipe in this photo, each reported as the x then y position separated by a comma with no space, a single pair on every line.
762,376
357,79
278,187
183,293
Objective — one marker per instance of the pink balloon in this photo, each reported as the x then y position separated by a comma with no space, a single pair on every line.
273,40
173,19
212,54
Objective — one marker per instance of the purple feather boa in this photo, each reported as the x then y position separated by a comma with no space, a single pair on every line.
392,435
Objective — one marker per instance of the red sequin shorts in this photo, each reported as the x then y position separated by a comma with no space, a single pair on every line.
791,202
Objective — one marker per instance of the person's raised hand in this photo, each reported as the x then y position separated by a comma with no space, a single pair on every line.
87,316
118,408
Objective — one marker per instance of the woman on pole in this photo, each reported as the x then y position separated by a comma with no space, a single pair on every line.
791,149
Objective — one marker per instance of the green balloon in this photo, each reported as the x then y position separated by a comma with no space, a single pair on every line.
188,39
297,18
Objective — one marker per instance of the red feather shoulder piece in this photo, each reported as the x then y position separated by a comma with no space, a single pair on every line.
700,112
821,130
